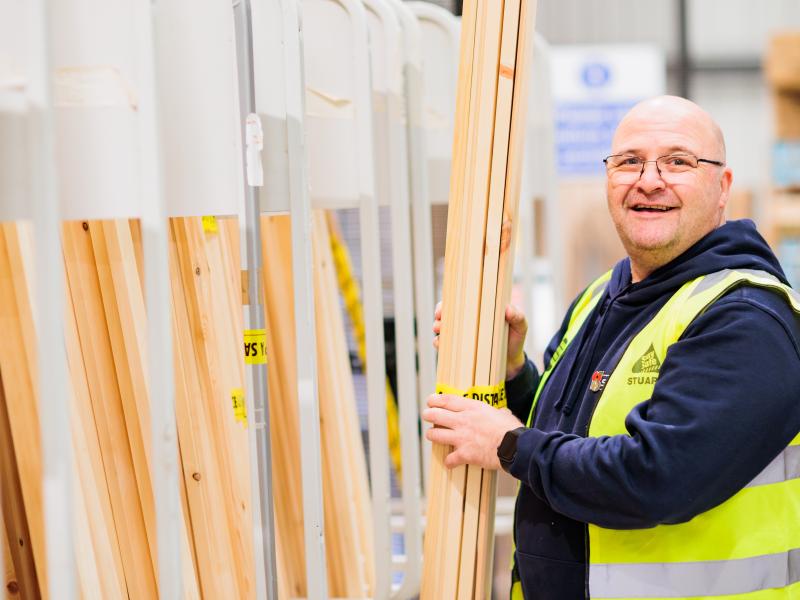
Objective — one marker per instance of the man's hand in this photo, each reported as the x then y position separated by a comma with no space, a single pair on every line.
473,428
517,328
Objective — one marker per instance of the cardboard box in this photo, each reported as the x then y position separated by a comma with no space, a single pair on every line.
782,61
786,165
786,110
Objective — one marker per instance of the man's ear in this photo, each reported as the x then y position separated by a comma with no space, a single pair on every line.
725,182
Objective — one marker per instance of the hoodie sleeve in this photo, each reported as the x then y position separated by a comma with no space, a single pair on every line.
725,405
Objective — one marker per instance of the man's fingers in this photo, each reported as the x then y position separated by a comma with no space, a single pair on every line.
453,403
441,435
441,417
514,316
437,313
454,459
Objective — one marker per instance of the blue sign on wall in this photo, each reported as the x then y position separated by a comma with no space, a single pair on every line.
593,88
583,135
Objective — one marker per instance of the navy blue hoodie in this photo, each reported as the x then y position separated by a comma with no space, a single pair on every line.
727,401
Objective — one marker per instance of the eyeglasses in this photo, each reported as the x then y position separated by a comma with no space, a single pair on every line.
631,167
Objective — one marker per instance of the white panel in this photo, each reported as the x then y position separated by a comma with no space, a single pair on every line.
14,28
741,106
440,52
631,72
95,95
331,99
15,157
270,82
609,21
15,160
199,107
724,30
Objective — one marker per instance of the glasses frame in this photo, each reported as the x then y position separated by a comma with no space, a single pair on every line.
644,163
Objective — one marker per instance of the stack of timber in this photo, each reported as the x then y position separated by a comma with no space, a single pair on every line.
105,322
106,327
484,195
20,449
209,378
348,522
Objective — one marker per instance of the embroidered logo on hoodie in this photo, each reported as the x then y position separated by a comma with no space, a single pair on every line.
647,368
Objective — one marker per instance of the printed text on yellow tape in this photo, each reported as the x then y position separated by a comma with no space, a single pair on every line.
255,346
239,407
493,395
210,224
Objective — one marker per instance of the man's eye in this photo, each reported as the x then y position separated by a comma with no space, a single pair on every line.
631,160
677,161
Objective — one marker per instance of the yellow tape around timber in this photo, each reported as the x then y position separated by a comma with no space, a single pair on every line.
255,346
493,395
348,287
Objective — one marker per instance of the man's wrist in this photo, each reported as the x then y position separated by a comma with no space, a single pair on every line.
514,368
507,449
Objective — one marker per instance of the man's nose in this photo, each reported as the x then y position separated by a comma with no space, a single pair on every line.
650,179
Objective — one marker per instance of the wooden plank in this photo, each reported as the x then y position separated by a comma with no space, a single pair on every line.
23,502
348,524
488,192
282,377
462,294
223,347
96,349
348,533
20,563
480,484
123,303
92,488
478,259
203,472
191,589
513,179
10,584
438,488
191,584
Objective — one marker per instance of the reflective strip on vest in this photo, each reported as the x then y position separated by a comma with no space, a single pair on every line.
696,579
786,466
748,547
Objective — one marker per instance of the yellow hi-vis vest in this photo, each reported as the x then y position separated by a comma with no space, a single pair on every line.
748,547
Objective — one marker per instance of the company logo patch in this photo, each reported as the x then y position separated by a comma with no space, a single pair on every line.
648,363
599,379
646,368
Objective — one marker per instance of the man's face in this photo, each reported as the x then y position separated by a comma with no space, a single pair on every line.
660,216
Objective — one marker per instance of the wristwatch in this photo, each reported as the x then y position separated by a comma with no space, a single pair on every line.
507,449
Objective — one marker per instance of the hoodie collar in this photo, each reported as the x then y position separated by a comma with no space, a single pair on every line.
733,245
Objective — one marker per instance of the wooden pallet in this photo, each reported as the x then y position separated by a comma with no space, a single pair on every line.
491,99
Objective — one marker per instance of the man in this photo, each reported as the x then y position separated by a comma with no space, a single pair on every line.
661,457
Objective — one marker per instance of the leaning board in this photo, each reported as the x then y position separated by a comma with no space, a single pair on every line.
484,194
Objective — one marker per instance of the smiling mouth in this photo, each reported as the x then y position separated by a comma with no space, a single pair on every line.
651,208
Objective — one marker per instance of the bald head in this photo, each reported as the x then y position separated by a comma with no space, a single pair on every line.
671,113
